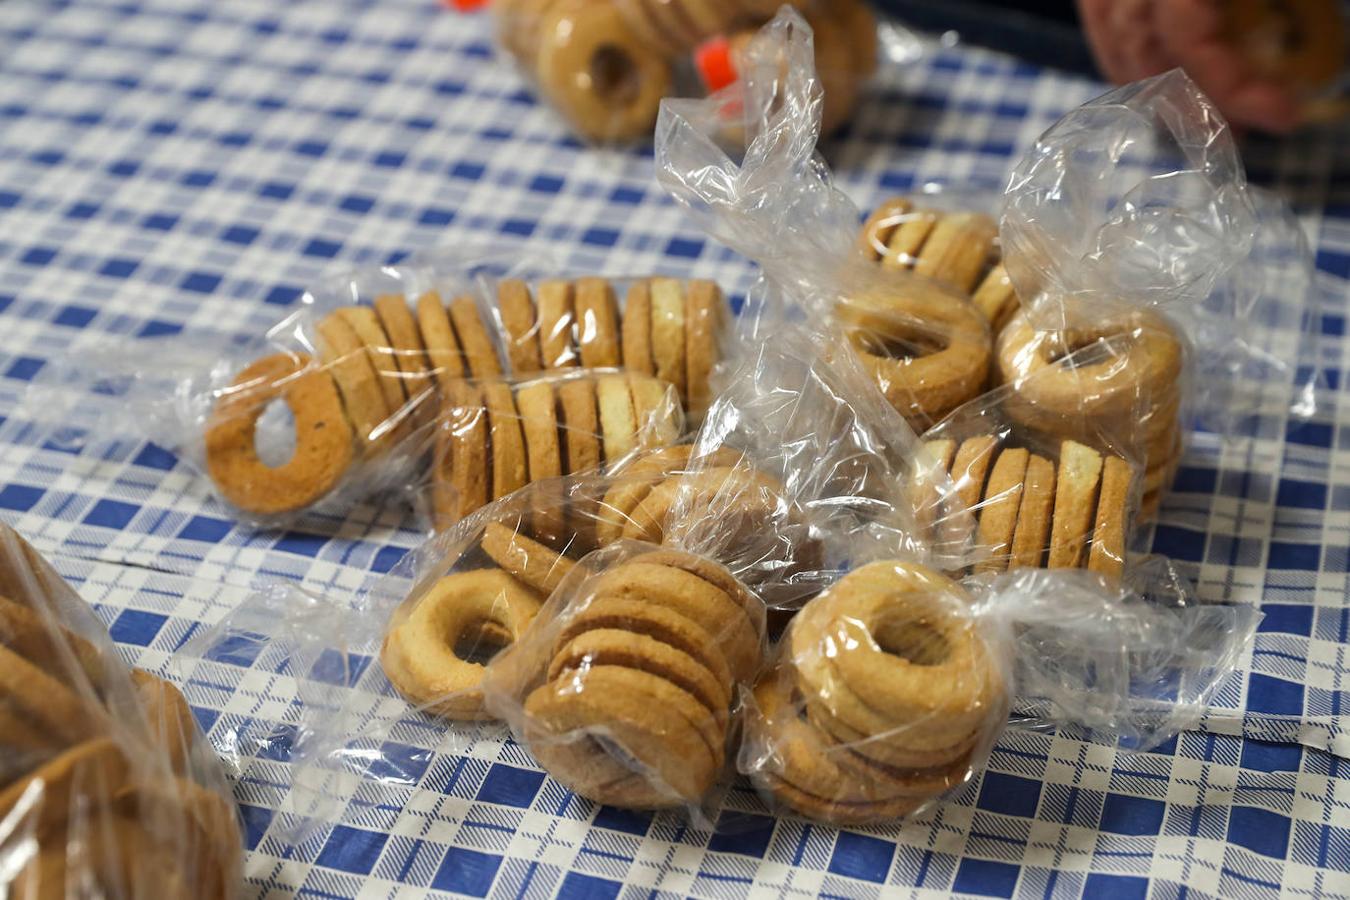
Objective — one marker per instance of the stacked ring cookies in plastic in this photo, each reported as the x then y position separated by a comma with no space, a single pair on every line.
495,437
886,696
648,650
606,64
106,785
365,385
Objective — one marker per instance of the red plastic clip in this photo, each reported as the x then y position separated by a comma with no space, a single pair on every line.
466,5
715,66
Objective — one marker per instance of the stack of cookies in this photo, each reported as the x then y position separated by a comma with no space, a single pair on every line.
495,437
637,689
667,328
377,375
884,698
958,249
1037,513
98,771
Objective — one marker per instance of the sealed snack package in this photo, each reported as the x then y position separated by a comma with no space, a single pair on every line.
494,437
343,399
891,687
918,333
605,65
107,786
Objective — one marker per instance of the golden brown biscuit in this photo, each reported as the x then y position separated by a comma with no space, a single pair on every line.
970,468
957,249
345,358
172,727
1002,502
1033,518
409,353
928,351
651,722
556,318
66,780
640,617
323,439
522,332
479,353
618,425
621,96
691,596
432,655
576,397
943,450
466,428
637,330
530,561
996,298
668,341
29,693
597,317
539,420
508,442
366,324
875,238
1108,534
443,353
902,251
48,645
626,649
656,411
1076,486
702,322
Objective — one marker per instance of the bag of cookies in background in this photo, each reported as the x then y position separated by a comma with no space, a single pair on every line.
891,687
107,787
605,65
1133,277
366,388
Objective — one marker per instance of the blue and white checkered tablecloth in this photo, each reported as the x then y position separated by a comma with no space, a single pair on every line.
167,166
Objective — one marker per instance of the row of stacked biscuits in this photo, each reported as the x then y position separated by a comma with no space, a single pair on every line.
944,338
97,770
607,64
378,375
1035,511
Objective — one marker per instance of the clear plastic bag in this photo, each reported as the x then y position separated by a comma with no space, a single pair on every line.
107,786
1131,219
342,400
890,688
605,65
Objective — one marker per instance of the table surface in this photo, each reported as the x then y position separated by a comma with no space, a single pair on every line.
168,166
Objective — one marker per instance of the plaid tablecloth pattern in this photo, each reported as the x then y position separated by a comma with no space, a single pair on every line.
166,166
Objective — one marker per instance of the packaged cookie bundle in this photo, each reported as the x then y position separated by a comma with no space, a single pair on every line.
365,389
891,687
107,788
1133,294
605,65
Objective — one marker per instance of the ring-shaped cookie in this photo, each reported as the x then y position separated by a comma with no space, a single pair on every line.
1141,358
648,720
323,437
928,350
420,656
809,760
891,649
599,76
